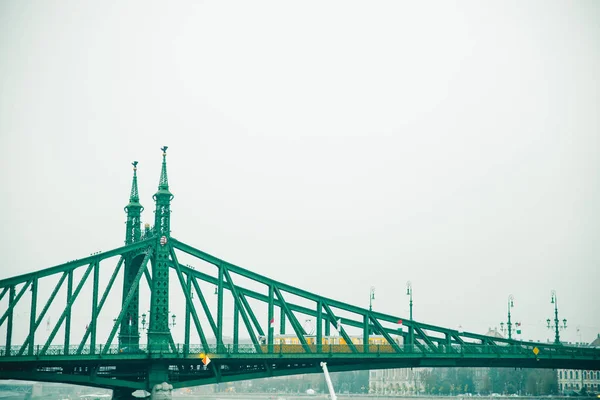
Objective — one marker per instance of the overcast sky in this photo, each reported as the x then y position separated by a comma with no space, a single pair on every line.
331,145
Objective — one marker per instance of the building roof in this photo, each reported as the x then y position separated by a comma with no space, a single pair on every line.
494,333
596,342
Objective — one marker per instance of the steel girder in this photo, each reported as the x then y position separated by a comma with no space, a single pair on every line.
87,364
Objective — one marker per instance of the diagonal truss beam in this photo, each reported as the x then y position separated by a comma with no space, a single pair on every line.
13,303
429,340
74,264
242,310
29,341
68,307
101,303
188,299
294,321
128,299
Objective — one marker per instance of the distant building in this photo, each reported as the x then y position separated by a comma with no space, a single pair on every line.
397,381
575,380
480,374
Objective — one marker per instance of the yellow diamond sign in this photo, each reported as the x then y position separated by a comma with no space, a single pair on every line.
536,351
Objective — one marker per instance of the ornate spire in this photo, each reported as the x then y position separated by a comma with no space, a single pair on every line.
134,197
133,210
164,180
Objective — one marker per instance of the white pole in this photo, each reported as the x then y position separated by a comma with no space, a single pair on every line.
328,380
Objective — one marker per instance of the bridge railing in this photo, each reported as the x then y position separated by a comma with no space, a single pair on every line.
517,349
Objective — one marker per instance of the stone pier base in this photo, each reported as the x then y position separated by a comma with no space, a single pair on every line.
162,391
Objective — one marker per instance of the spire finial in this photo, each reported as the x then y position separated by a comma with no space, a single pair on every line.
135,196
164,181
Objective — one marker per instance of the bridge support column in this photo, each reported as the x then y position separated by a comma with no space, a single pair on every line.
162,391
123,394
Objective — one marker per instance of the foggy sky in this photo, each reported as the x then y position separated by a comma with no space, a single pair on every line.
330,145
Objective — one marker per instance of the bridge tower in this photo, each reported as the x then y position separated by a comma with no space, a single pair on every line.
128,332
158,333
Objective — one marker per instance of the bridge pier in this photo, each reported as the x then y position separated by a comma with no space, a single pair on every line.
162,391
123,394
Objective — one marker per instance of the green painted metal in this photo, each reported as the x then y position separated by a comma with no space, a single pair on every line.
236,326
158,332
4,291
252,316
319,326
366,330
134,210
270,318
188,299
240,306
205,307
128,332
68,320
15,280
11,299
13,303
101,304
128,299
219,335
68,309
94,305
29,341
281,321
188,307
162,359
32,313
293,320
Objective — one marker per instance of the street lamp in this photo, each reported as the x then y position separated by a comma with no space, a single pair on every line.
409,292
371,298
169,324
556,325
511,304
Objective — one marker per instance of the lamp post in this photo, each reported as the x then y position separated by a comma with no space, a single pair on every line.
511,304
556,325
409,292
371,298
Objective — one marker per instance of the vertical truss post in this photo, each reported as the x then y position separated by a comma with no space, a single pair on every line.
94,309
282,321
236,327
188,302
102,300
294,321
29,341
366,333
12,305
11,298
220,308
205,307
319,326
67,309
252,315
271,327
130,295
186,340
33,311
68,320
327,325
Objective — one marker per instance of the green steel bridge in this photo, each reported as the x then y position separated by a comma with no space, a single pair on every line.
144,352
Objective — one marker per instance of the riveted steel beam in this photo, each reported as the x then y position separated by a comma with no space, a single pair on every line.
188,299
101,304
127,300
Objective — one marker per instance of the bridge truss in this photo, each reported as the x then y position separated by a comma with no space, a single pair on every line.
114,351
